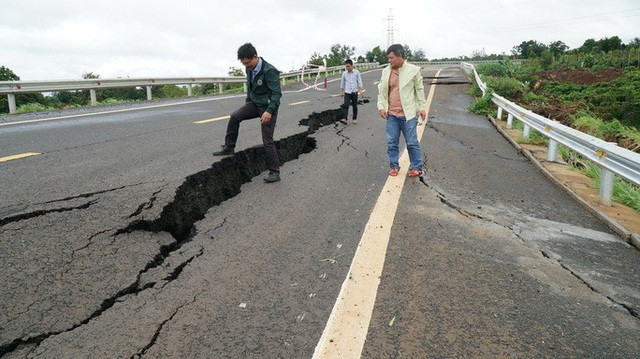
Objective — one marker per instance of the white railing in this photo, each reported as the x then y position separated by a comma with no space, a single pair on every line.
613,160
437,63
11,88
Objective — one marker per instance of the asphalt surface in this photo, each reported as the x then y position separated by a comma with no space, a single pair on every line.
126,238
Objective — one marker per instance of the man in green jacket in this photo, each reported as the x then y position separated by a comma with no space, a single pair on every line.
263,100
400,102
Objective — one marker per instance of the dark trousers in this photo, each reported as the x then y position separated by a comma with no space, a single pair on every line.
249,111
353,99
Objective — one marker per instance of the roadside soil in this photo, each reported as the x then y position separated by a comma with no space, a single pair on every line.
579,76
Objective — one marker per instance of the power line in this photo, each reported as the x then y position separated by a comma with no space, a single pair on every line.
570,21
482,11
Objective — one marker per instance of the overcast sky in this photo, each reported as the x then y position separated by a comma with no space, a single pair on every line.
44,40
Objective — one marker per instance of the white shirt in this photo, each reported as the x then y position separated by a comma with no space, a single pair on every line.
351,82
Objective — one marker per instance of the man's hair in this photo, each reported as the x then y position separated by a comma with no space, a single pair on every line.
397,50
247,51
348,62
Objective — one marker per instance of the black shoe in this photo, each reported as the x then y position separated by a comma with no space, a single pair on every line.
274,176
225,151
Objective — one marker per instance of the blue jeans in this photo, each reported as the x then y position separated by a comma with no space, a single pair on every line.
395,125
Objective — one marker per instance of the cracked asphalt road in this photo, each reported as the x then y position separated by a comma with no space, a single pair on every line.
486,257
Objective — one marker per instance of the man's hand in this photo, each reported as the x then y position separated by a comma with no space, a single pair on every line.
383,113
266,117
341,93
423,114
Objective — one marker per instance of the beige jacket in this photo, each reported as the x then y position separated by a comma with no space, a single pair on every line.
411,90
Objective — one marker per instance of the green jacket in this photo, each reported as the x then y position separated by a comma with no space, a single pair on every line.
411,90
264,90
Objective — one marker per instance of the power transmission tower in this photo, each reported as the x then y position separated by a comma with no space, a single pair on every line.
390,29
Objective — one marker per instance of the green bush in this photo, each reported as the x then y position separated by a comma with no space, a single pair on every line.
475,90
533,97
505,86
482,105
493,69
609,130
172,91
31,107
111,101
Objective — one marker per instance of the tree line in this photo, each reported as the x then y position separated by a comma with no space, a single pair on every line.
339,53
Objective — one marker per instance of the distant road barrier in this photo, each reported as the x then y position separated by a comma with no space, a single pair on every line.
611,159
11,88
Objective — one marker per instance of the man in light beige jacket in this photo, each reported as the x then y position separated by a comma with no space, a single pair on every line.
400,101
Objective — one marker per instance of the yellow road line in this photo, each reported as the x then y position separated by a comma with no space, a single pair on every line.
377,82
336,95
213,119
348,324
298,103
22,155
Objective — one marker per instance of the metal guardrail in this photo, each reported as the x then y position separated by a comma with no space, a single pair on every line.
11,88
428,63
611,159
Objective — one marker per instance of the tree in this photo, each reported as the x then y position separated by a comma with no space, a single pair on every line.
529,49
90,75
408,54
634,43
611,43
588,46
419,55
234,71
7,75
478,54
339,53
317,59
376,55
557,48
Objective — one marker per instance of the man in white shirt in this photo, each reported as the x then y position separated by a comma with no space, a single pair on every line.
350,84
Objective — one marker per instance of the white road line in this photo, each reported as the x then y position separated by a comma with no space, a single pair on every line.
348,324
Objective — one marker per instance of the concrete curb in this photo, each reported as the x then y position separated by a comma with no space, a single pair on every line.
632,238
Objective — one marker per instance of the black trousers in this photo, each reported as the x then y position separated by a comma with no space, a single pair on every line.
353,99
249,111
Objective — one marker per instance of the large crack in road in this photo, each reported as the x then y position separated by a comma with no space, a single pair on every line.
197,194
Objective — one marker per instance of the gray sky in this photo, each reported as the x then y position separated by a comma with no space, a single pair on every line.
43,39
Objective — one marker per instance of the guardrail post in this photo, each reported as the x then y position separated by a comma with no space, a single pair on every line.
284,80
606,186
189,91
552,151
499,113
245,87
510,121
220,87
526,131
298,78
12,103
94,101
148,93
